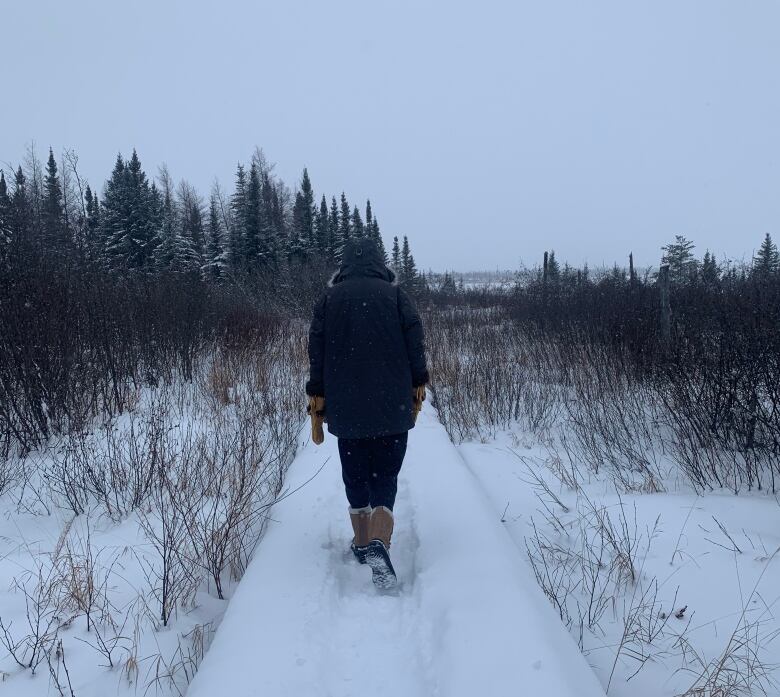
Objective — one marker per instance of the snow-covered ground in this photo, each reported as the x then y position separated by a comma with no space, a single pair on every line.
52,568
468,618
120,546
712,559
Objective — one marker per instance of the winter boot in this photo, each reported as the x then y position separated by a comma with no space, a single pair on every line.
380,531
360,518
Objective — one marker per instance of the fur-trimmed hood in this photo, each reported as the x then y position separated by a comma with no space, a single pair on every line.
360,258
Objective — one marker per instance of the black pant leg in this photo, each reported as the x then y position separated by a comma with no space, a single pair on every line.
354,454
387,457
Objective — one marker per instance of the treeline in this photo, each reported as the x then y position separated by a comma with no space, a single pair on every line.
155,226
693,345
625,307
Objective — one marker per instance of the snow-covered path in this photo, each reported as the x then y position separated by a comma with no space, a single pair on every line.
467,620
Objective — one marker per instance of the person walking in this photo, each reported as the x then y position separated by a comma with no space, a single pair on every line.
367,377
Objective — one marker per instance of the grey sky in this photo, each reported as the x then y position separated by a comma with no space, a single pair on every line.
487,131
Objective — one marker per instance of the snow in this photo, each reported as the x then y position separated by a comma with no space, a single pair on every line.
122,558
467,619
723,583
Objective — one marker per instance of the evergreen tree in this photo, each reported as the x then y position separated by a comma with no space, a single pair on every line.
369,218
408,275
168,256
155,214
143,236
21,213
395,259
322,228
307,212
253,223
272,218
236,260
215,255
297,248
114,205
303,240
180,236
767,260
345,223
5,216
710,273
372,232
191,242
553,268
128,227
53,224
679,256
448,285
92,206
357,223
334,247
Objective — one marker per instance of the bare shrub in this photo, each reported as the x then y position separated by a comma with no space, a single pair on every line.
583,564
29,646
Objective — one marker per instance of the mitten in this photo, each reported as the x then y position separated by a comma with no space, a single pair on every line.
316,410
418,397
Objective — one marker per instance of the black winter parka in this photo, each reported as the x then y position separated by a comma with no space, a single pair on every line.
366,348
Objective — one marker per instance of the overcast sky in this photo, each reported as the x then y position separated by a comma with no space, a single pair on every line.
487,131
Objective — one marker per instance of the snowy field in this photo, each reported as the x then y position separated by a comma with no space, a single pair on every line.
120,546
667,593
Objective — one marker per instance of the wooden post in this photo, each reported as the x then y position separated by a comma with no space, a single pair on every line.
666,310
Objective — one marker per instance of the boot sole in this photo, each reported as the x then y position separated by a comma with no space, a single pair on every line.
360,553
383,573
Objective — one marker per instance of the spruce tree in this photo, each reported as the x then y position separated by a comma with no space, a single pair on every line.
710,273
115,204
448,284
372,232
345,222
5,217
334,245
307,213
369,218
142,235
191,233
92,206
357,223
236,259
298,244
53,224
253,228
128,225
21,210
167,251
553,268
767,260
272,219
215,256
395,259
155,215
408,266
679,256
322,227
